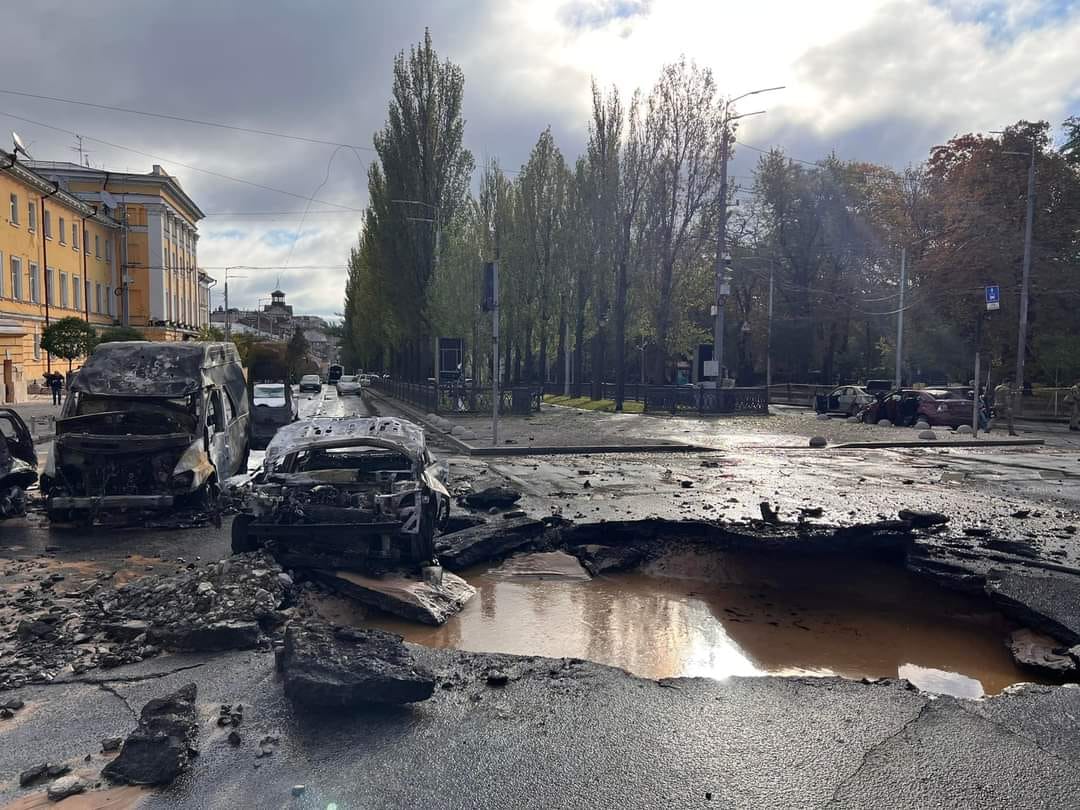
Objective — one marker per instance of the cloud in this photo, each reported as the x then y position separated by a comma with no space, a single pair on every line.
872,79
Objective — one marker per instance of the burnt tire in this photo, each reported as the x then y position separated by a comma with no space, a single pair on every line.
243,540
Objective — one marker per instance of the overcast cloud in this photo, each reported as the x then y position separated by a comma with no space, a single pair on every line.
879,81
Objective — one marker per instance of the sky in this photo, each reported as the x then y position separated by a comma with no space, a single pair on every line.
868,80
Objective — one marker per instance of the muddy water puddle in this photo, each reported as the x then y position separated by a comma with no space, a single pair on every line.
717,615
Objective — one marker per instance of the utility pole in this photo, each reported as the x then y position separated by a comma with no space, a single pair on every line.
900,318
768,334
495,353
722,257
1021,343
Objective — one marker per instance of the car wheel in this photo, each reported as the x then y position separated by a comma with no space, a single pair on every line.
242,539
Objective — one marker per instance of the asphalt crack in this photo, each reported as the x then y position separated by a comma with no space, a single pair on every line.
138,678
106,688
875,747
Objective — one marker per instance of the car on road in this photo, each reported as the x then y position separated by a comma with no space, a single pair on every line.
348,384
334,373
272,405
906,406
148,428
18,463
846,399
363,487
310,382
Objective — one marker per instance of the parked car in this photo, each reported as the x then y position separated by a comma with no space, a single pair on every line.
906,406
367,487
18,463
847,399
348,384
272,405
148,427
875,387
310,382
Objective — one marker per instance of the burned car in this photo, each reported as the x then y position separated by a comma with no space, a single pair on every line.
18,463
148,428
357,493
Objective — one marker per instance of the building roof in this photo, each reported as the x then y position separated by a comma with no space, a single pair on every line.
24,171
158,178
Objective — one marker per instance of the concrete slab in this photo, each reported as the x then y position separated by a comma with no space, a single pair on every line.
403,596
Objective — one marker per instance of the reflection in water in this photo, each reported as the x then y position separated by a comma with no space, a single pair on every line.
712,614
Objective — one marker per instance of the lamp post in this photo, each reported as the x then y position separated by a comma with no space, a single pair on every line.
722,256
228,317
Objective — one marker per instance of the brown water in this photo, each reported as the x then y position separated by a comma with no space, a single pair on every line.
716,615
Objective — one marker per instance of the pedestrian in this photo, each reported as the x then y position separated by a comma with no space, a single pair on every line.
1073,400
56,385
1003,405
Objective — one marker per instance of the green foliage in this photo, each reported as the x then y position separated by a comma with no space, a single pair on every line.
211,334
120,333
68,339
296,353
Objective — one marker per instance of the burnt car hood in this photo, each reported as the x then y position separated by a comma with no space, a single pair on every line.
105,432
332,431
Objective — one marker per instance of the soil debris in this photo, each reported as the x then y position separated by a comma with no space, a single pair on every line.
161,745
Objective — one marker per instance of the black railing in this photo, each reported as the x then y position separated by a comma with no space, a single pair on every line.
455,398
634,392
692,399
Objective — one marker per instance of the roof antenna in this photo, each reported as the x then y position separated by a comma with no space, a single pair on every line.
19,146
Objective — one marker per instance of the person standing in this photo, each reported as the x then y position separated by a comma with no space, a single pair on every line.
1073,398
56,385
1003,404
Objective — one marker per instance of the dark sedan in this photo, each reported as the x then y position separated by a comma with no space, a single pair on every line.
906,406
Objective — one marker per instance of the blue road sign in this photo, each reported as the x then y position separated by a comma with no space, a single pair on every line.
993,297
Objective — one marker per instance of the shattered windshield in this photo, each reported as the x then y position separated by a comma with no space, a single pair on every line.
141,415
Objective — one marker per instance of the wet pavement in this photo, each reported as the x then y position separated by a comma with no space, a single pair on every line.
722,740
718,615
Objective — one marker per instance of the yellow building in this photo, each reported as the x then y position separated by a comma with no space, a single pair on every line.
58,259
164,293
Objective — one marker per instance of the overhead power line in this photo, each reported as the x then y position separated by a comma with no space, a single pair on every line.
166,116
184,165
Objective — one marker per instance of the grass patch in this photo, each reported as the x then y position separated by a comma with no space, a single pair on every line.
606,405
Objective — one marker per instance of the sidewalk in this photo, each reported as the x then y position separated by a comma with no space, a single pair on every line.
39,414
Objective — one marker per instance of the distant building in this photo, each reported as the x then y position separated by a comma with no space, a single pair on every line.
277,321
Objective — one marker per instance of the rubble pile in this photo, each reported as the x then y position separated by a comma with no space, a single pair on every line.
329,667
46,630
162,744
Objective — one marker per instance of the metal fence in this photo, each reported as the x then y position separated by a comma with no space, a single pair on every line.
454,398
634,392
692,399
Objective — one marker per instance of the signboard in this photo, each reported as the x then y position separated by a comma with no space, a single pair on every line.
712,368
449,356
703,354
993,297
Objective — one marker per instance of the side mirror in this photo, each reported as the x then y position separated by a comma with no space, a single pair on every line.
440,471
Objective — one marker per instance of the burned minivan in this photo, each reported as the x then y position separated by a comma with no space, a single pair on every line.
357,493
148,428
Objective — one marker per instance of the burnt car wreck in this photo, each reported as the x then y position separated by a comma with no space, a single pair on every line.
148,428
356,493
18,463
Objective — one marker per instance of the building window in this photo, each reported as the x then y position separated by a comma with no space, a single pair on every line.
31,216
86,241
37,346
35,284
108,300
14,216
63,290
97,298
48,224
108,249
74,235
50,286
97,246
76,292
63,232
16,278
13,260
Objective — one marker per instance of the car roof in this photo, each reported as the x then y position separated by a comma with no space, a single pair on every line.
345,431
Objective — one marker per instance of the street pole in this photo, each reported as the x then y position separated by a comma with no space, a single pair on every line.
975,393
495,353
900,318
768,334
721,252
228,330
1021,343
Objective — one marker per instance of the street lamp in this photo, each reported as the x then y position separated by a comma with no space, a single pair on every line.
228,317
722,256
433,219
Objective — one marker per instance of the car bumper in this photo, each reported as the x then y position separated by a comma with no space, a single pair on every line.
113,502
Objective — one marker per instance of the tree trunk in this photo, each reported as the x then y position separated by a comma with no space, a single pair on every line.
560,352
579,353
542,364
530,370
597,361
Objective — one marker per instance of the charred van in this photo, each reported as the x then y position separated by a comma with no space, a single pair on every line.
146,428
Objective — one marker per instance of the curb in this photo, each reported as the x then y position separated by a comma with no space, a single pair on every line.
935,443
542,450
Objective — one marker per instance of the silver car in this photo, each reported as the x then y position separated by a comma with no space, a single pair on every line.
847,399
348,384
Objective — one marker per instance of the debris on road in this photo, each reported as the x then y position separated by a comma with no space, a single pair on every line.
498,496
335,668
66,786
488,541
162,744
415,599
1041,652
920,518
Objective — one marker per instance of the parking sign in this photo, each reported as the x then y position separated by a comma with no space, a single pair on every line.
993,297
